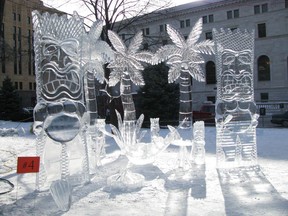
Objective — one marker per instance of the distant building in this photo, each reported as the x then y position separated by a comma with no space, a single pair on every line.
267,17
16,46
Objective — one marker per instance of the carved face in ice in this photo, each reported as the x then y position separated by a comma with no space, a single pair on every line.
60,69
237,75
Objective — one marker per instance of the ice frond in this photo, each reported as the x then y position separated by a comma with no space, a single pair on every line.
195,33
137,78
135,64
107,53
164,53
120,123
176,37
95,30
174,73
196,72
175,59
99,71
135,43
114,78
206,47
116,41
144,56
195,58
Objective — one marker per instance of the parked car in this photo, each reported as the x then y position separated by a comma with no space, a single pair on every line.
280,119
206,113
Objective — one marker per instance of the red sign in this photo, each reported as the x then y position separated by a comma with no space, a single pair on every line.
28,164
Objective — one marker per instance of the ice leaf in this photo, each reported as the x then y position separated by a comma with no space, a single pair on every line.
173,73
116,41
206,47
195,33
144,56
95,30
137,78
135,43
176,37
164,53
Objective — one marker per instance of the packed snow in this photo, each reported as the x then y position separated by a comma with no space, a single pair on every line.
167,191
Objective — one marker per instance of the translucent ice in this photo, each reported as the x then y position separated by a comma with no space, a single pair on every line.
236,117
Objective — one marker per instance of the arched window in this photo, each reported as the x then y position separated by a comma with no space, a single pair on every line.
263,66
210,72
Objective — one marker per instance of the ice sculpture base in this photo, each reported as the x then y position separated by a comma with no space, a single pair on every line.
126,181
61,192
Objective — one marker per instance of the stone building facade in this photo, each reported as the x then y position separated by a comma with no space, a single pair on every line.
17,55
267,17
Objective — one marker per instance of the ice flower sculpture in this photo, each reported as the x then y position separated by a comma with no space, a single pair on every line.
236,117
184,59
66,104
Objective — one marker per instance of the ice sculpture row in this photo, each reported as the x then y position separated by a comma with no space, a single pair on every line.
70,137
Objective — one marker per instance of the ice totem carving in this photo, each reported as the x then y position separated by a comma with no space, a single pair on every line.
66,105
236,117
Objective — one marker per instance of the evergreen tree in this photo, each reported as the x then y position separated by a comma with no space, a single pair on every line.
9,100
158,98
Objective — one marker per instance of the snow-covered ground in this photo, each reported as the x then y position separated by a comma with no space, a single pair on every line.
203,190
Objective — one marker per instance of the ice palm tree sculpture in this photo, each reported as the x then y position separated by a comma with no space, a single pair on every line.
127,69
184,59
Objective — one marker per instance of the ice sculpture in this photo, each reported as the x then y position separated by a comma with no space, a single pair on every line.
96,145
66,106
198,148
184,59
236,117
126,68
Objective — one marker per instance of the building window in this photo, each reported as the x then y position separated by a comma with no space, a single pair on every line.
209,18
34,85
208,36
161,28
229,15
210,72
30,85
146,31
20,85
286,3
264,8
261,30
29,20
260,8
182,24
187,22
263,65
236,13
264,97
19,17
204,19
233,14
16,85
14,16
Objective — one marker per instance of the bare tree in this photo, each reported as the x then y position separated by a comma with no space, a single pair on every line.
119,14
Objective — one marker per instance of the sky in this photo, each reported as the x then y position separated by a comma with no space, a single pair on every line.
83,11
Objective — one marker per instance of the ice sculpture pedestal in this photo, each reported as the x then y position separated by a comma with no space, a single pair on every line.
125,181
